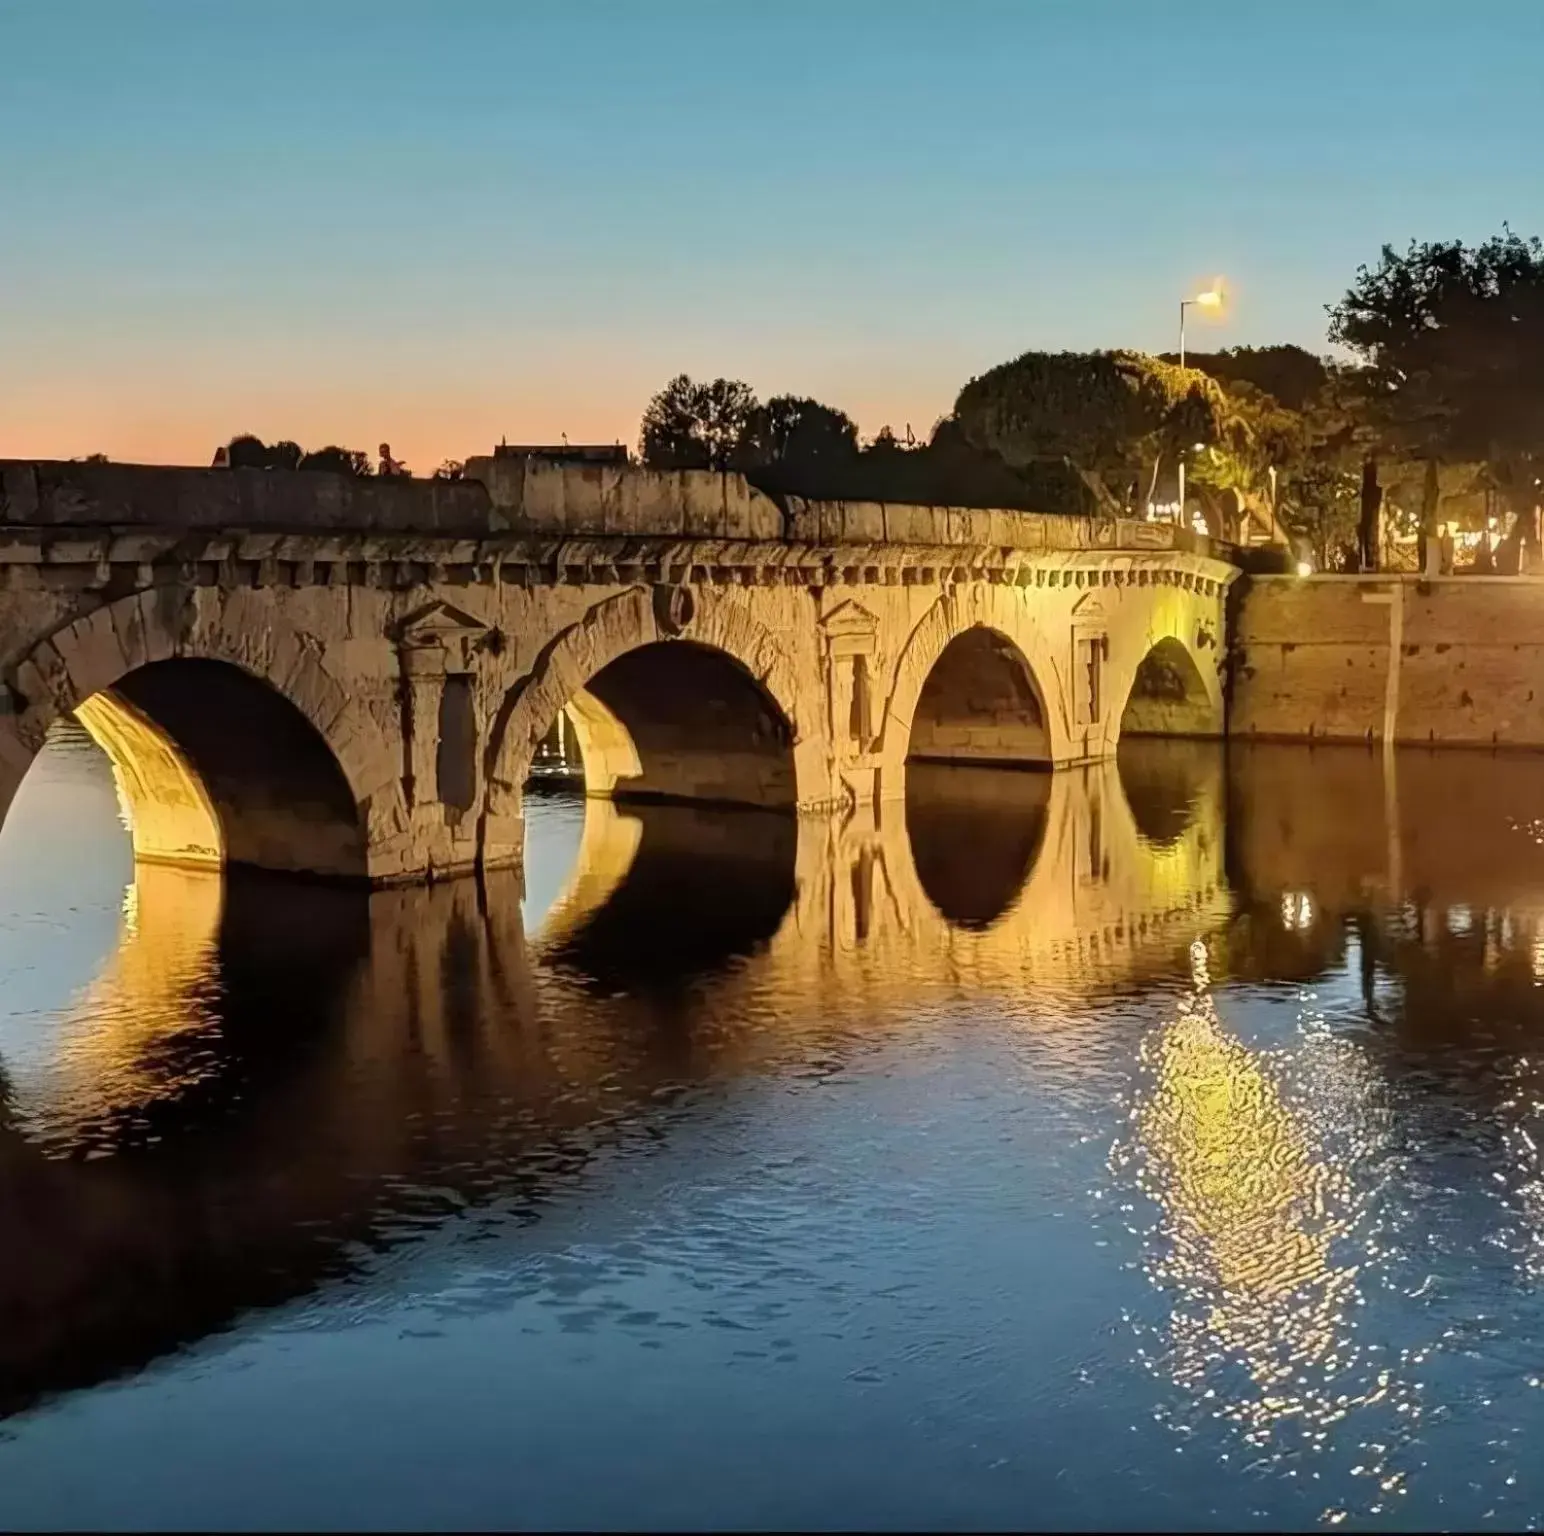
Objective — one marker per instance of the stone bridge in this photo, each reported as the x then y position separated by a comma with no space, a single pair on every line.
350,678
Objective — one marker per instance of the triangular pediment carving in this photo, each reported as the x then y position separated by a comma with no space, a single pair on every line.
850,620
438,622
1089,607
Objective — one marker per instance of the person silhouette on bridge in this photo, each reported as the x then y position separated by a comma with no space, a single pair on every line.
391,468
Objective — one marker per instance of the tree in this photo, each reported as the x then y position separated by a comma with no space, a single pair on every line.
1292,376
1114,417
688,425
249,452
797,433
1450,339
451,469
339,461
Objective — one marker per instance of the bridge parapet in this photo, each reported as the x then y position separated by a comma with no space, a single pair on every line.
513,496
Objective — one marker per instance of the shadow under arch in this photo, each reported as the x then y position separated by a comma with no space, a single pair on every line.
1169,696
661,893
679,720
980,703
215,767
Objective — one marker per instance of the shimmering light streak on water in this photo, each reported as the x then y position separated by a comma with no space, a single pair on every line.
1262,1168
1151,1149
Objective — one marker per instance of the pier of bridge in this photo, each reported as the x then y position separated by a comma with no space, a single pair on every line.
350,677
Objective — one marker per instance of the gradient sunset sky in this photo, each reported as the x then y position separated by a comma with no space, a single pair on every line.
442,222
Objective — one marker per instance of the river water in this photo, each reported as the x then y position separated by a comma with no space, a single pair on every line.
1151,1147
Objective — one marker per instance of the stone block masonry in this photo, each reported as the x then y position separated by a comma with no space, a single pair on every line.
1458,661
407,645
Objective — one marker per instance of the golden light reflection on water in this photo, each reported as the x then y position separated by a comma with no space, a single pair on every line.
147,1028
1262,1242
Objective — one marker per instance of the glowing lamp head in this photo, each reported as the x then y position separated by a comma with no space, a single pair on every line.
1211,298
1304,568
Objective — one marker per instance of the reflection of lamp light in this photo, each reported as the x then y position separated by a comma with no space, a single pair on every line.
1255,1216
1297,911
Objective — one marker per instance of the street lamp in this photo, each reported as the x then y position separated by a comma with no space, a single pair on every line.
1208,298
1211,298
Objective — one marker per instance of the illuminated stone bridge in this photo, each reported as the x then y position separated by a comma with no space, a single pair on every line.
316,674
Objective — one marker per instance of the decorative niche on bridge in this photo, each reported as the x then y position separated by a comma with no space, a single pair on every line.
1090,650
437,650
851,641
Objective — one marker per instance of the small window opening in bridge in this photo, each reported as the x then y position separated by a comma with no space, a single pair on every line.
858,718
456,757
1090,699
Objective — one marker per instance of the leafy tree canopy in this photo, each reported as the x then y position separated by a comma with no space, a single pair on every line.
691,425
1292,376
1450,342
1112,416
341,461
796,431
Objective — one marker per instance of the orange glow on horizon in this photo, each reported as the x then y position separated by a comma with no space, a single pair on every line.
424,434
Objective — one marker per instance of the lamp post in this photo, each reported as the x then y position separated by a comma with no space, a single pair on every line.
1210,298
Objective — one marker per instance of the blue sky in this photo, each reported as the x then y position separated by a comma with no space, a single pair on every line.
436,223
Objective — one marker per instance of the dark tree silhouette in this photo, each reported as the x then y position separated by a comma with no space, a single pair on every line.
798,433
249,452
688,425
340,461
1292,376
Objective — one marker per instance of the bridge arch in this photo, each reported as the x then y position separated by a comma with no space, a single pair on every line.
696,705
1171,691
975,682
230,741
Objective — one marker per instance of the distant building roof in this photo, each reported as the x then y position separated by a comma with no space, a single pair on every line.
566,453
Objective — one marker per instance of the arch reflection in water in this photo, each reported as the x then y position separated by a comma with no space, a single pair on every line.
333,1075
975,836
212,980
663,891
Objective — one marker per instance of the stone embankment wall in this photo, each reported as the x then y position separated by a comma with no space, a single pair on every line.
1458,661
